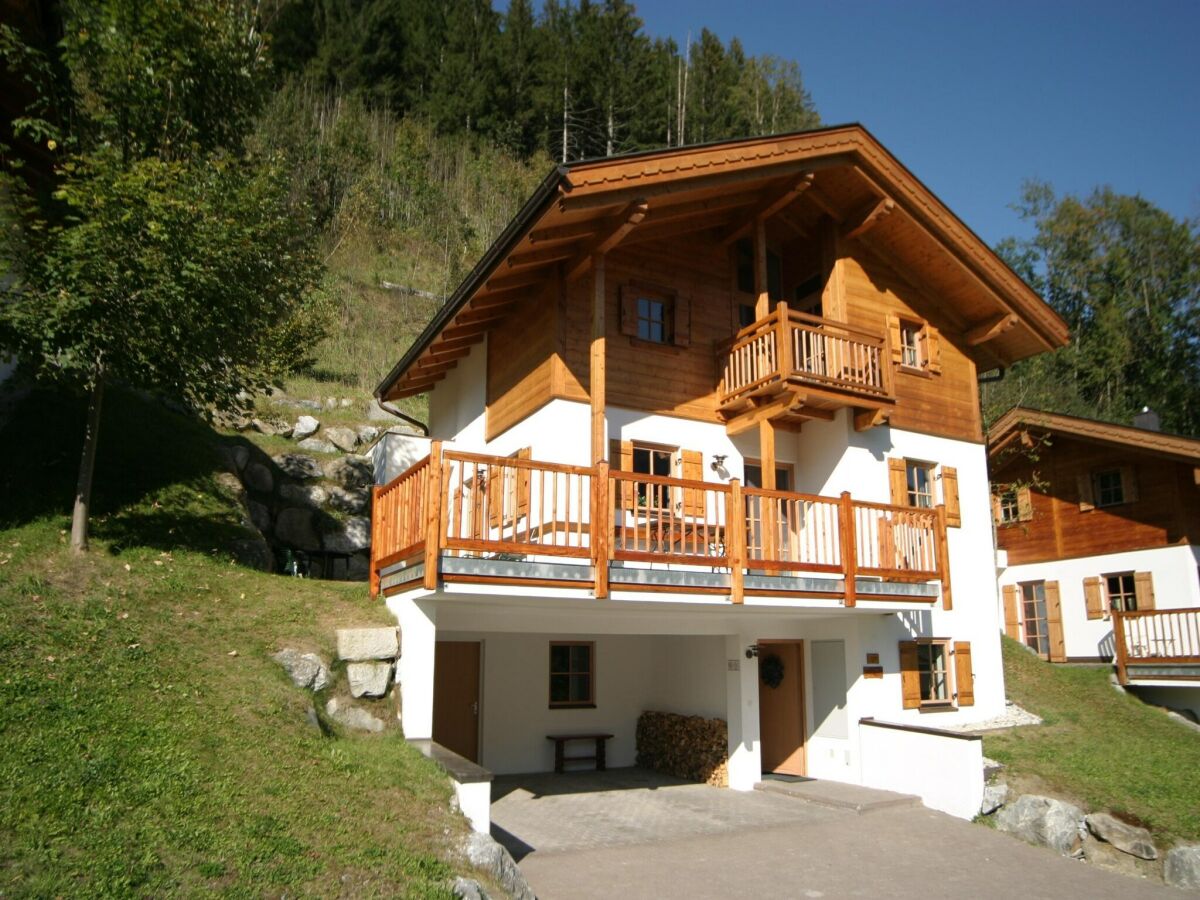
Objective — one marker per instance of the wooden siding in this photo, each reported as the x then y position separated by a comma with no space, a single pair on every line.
1167,509
520,361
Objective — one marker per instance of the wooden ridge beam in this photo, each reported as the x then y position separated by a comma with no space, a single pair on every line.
867,217
986,331
620,226
770,202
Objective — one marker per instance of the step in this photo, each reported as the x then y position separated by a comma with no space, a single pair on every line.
836,794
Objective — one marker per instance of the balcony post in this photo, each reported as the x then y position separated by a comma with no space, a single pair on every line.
1121,651
783,355
433,515
735,540
849,548
762,305
376,529
943,552
596,368
601,526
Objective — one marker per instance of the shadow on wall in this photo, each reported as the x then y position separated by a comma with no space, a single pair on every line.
918,622
395,452
1107,647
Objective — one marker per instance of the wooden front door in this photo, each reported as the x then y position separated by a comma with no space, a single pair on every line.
781,708
456,697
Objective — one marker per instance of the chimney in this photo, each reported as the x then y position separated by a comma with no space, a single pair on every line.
1147,420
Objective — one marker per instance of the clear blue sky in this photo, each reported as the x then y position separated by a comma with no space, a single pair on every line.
976,97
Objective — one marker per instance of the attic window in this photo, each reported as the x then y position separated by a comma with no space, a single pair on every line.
653,320
910,344
1109,489
655,315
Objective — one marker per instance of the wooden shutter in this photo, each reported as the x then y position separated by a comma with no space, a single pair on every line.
692,469
910,678
1143,585
1012,624
682,333
898,479
893,329
628,490
495,495
1129,489
996,508
950,496
964,679
629,299
1058,651
522,476
1083,483
887,543
932,350
1024,505
1093,597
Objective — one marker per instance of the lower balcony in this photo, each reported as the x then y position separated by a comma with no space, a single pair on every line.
1160,645
467,517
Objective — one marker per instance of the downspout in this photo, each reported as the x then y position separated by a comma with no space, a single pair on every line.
387,407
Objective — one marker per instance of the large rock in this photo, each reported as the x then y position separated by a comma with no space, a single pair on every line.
366,433
994,796
377,413
310,495
350,501
1126,838
294,528
1182,867
258,477
1043,820
369,679
306,426
271,426
253,553
229,483
345,439
234,457
361,644
298,465
485,853
468,889
353,535
308,404
352,717
317,445
351,471
260,515
307,670
1106,856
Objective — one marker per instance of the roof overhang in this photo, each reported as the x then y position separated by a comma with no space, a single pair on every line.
1020,422
840,172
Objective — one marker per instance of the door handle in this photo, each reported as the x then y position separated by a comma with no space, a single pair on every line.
475,708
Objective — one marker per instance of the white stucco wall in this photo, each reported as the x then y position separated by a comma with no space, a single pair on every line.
1176,586
395,452
945,771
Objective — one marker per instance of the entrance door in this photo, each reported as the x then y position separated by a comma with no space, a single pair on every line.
781,706
456,697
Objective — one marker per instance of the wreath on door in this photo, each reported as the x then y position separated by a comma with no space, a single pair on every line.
770,670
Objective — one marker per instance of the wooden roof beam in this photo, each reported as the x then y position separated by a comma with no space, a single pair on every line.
479,316
496,284
459,331
770,202
572,232
867,217
764,412
624,223
541,257
986,331
444,354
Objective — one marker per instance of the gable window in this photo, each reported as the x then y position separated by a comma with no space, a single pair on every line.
910,344
1109,489
652,320
936,674
655,315
572,674
915,345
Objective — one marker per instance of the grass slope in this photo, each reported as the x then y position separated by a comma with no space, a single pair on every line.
1102,748
137,754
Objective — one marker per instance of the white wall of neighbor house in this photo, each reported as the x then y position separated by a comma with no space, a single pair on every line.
1176,586
395,452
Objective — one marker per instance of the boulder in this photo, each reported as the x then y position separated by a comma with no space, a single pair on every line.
1044,821
307,670
1106,856
352,717
258,477
331,403
1182,867
994,796
260,515
1126,838
298,465
309,404
294,528
306,426
310,495
345,402
369,679
468,889
345,439
353,535
317,445
229,484
377,413
359,568
234,457
271,426
366,433
350,501
351,471
253,553
361,644
483,852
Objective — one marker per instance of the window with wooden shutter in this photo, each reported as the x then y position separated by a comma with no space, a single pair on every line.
895,340
964,678
931,354
898,481
522,483
910,679
1083,484
1058,651
1144,586
1129,484
926,674
627,489
950,496
997,511
683,322
1093,598
1024,504
692,469
1012,624
629,316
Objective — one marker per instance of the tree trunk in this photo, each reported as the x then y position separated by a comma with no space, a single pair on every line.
87,466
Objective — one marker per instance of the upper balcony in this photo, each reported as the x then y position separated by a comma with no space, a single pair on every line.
789,367
479,519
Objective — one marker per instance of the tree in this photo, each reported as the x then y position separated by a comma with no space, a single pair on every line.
1125,276
169,257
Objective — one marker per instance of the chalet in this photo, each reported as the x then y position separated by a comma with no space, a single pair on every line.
706,439
1098,527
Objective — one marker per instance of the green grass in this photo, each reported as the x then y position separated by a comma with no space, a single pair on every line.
138,755
1099,747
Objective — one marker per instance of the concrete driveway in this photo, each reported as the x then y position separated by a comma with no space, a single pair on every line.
632,834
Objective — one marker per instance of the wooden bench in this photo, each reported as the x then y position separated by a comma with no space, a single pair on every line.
560,741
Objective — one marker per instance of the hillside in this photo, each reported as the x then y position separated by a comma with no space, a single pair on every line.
150,744
1098,747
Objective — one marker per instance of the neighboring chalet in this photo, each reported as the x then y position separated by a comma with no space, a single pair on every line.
701,415
1098,527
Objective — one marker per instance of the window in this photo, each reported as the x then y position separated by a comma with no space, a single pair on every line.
572,674
919,480
652,324
1010,511
655,315
910,344
1033,613
652,460
783,475
916,345
1122,591
1109,487
936,674
912,484
933,668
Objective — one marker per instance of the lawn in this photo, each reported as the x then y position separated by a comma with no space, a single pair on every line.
1099,747
148,743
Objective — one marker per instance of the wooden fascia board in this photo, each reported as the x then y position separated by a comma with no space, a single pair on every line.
1179,449
771,202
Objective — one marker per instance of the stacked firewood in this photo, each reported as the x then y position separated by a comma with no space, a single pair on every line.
690,747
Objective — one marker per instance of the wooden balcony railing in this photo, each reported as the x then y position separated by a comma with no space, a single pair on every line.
1157,637
792,347
473,505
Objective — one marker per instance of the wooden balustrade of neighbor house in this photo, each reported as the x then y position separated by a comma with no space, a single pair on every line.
469,504
1161,644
